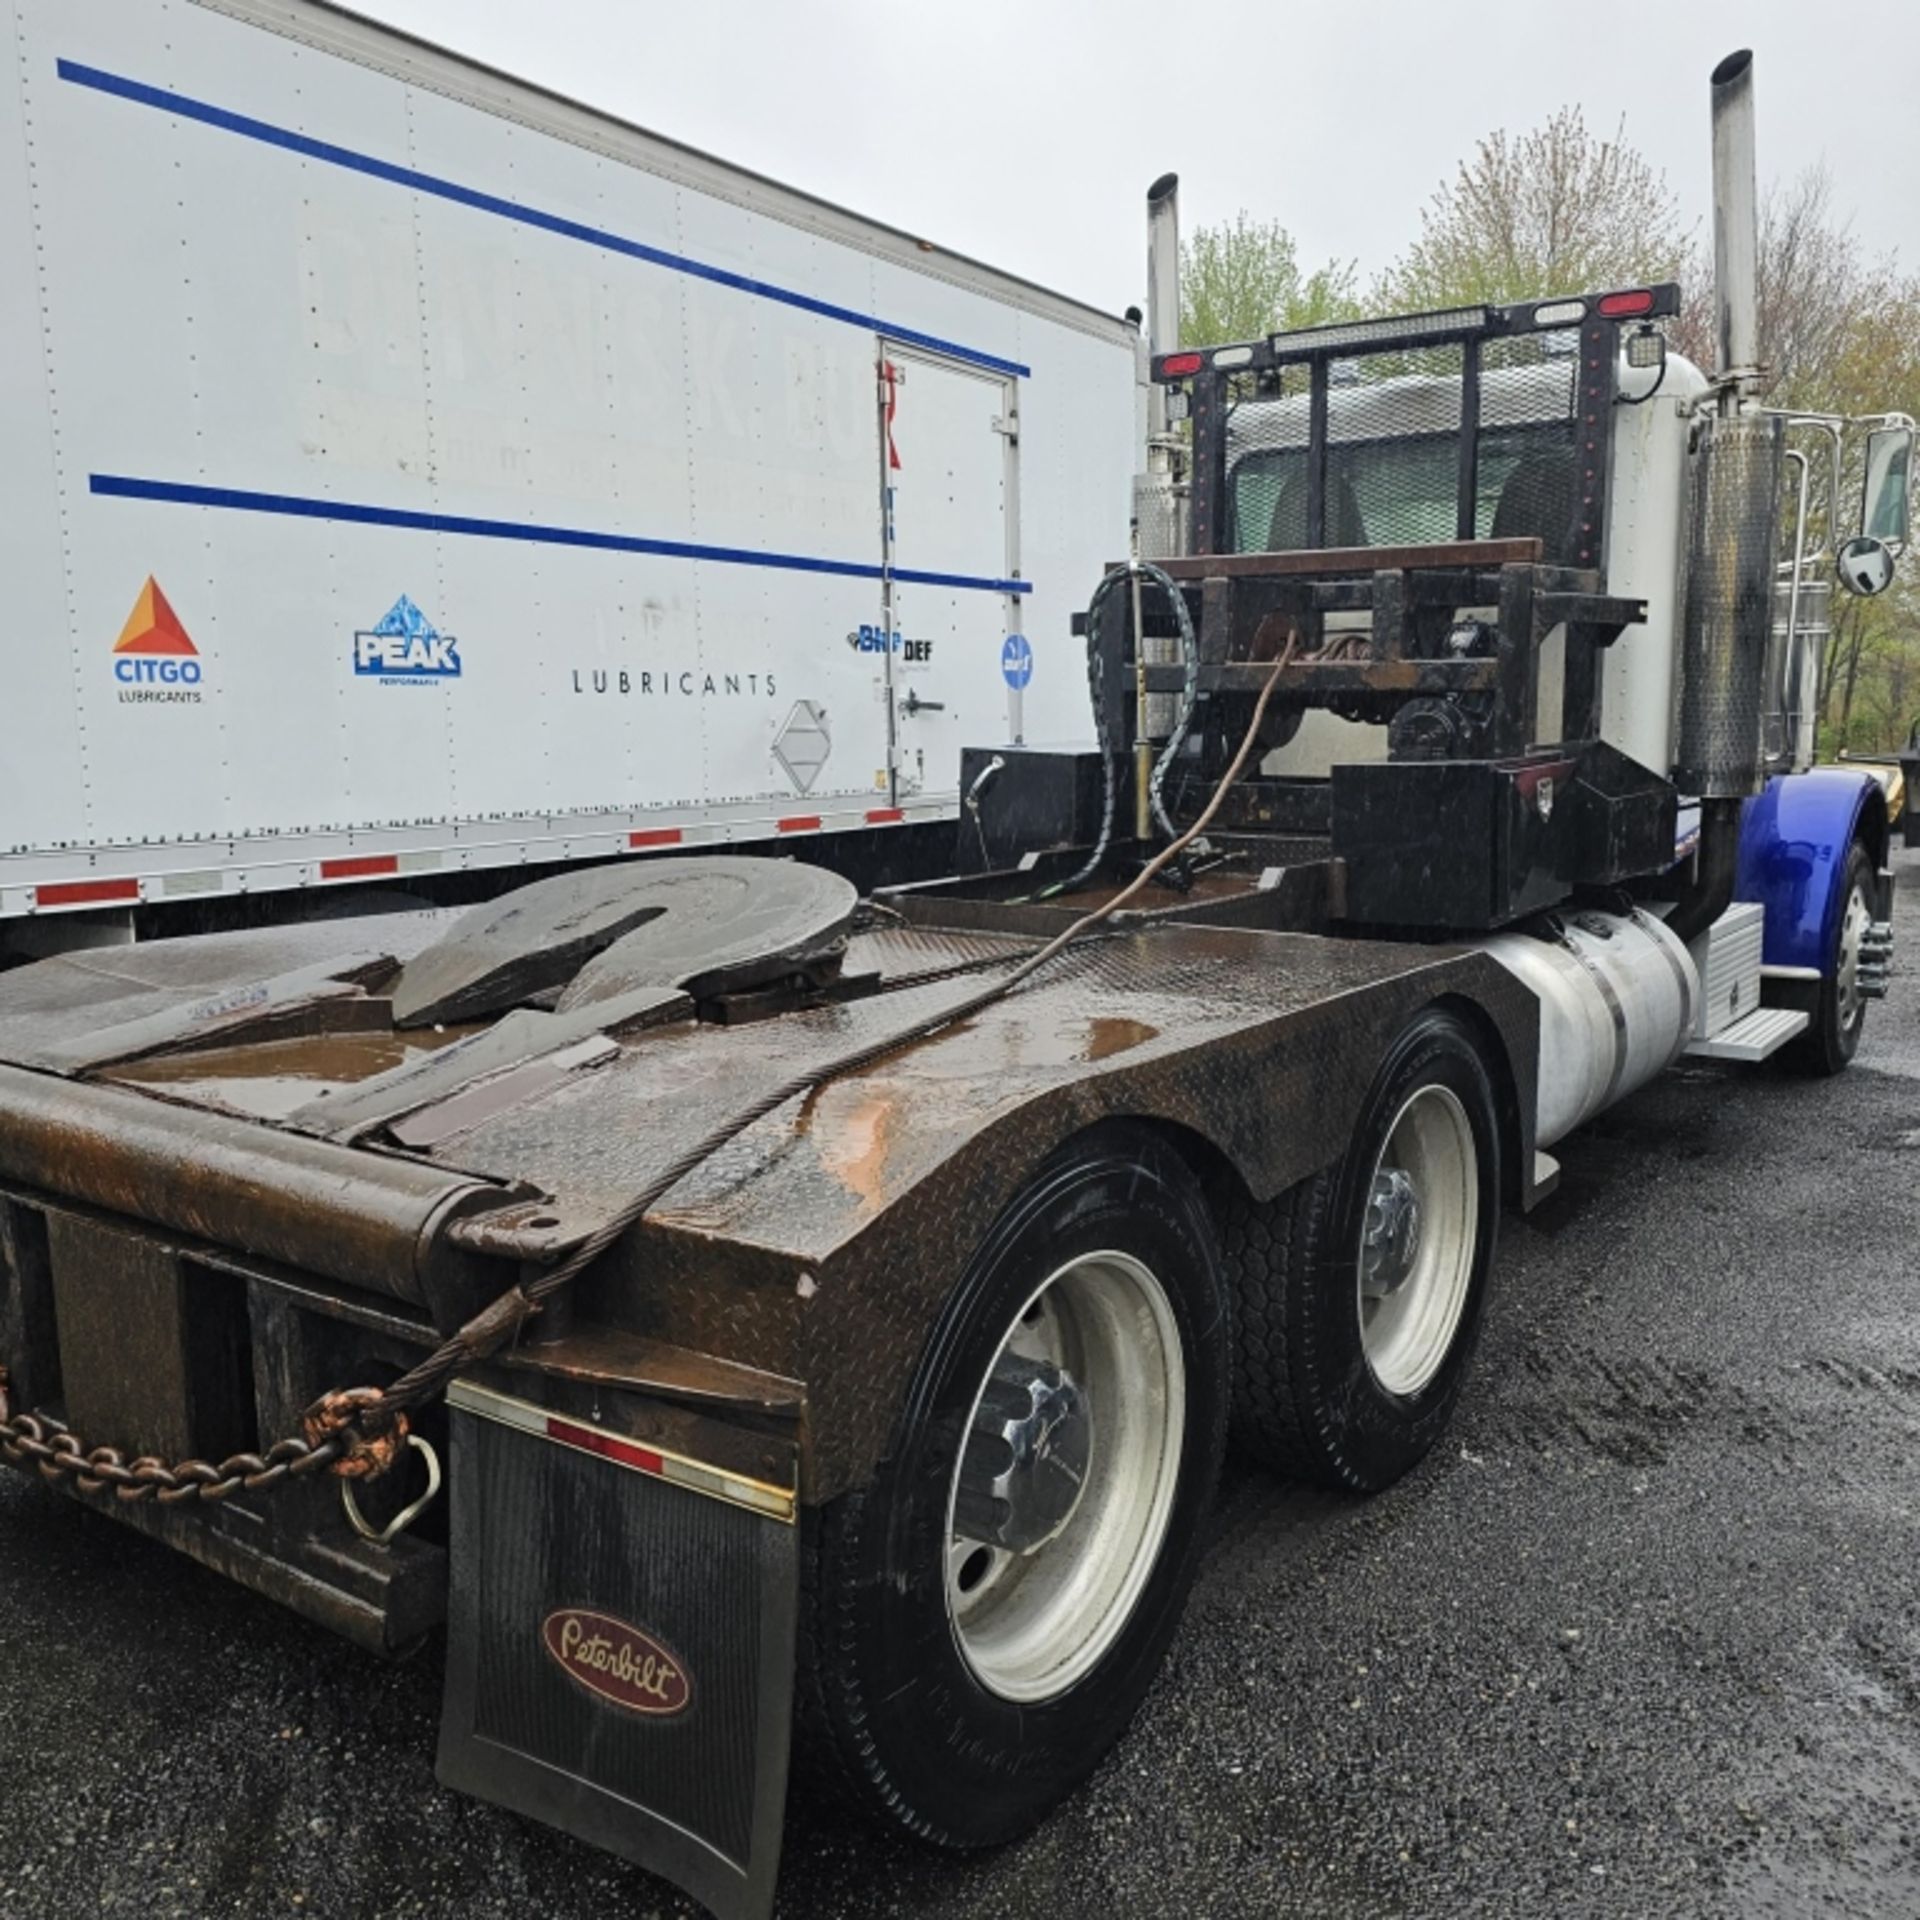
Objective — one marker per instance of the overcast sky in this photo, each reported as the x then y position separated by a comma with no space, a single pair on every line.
1025,133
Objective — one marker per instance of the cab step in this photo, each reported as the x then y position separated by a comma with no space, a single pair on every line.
1761,1034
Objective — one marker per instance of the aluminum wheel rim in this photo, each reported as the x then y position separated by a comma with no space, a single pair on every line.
1853,927
1411,1301
1031,1625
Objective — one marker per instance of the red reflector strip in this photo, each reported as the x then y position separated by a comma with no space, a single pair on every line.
799,823
655,837
1177,365
609,1446
759,1496
85,893
360,866
885,816
1619,306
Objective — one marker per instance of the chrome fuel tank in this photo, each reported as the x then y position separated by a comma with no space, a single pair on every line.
1617,997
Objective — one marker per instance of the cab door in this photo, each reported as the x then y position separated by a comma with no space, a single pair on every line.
949,447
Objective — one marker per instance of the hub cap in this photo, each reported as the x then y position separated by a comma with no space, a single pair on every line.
1853,927
1392,1237
1417,1241
1060,1501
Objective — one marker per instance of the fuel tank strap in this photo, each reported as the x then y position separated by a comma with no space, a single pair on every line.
360,1218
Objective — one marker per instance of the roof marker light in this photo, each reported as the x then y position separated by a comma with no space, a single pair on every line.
1623,306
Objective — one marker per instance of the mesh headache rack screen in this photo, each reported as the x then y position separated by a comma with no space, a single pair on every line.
1393,449
1477,423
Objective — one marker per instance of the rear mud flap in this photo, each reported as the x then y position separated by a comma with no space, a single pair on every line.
621,1646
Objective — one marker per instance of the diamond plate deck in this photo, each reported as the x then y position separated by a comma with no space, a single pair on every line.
821,1242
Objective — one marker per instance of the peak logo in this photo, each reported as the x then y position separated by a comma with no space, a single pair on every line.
405,648
155,660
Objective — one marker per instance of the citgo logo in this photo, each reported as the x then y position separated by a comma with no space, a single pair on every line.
154,660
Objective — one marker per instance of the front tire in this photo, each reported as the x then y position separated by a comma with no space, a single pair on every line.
982,1621
1359,1294
1832,1037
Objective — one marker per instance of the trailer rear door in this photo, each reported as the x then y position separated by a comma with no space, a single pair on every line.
949,451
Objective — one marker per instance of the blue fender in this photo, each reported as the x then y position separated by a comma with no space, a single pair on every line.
1793,857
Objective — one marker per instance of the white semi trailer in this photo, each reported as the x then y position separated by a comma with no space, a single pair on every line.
403,470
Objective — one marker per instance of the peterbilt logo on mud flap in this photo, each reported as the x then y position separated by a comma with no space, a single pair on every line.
623,1665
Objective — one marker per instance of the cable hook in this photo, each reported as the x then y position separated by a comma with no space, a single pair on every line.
401,1521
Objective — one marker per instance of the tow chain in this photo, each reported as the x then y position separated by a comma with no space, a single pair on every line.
34,1440
358,1433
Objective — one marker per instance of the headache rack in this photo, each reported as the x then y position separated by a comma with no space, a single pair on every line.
1465,424
1247,608
1402,522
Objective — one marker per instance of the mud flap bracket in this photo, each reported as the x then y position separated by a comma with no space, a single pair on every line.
621,1645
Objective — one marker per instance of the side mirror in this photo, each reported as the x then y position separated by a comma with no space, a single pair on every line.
1864,565
1883,497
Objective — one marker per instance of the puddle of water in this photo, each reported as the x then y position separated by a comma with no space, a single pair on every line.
1107,1037
272,1078
985,1052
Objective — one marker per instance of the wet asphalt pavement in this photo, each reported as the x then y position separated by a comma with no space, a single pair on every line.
1643,1638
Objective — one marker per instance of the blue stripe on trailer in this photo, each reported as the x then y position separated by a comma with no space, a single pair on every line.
296,506
308,148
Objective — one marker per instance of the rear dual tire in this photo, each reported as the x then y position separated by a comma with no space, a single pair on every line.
968,1658
954,1685
1359,1294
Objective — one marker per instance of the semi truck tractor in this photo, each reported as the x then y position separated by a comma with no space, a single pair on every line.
740,1312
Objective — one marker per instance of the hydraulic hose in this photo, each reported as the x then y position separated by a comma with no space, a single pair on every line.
1190,658
1110,749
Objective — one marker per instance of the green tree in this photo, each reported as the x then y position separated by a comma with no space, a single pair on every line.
1555,210
1815,289
1558,210
1241,280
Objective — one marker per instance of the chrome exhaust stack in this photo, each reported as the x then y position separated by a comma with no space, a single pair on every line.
1160,492
1729,604
1163,286
1736,231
